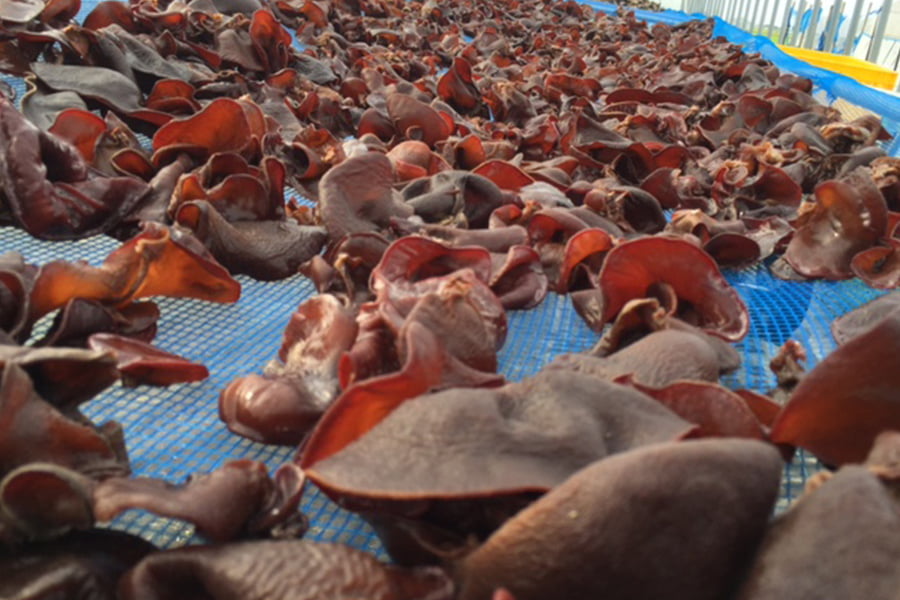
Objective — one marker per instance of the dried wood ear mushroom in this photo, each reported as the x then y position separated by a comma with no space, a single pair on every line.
642,524
458,160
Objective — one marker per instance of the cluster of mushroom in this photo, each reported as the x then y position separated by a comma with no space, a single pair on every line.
461,160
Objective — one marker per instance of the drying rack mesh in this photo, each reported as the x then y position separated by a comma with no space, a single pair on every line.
175,431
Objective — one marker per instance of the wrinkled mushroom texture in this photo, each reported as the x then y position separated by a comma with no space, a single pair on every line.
239,192
518,279
157,262
850,215
247,126
42,500
34,431
84,564
316,334
636,319
271,41
656,360
716,410
457,321
173,96
266,250
645,524
15,287
233,500
141,363
850,397
413,159
282,405
81,129
845,538
416,120
527,436
64,377
588,244
634,268
413,259
346,266
454,195
365,402
864,318
80,318
357,196
413,267
49,188
879,266
291,570
775,186
457,87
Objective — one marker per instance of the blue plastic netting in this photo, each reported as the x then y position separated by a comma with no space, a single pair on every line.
173,432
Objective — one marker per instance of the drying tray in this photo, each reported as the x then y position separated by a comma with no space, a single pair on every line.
174,432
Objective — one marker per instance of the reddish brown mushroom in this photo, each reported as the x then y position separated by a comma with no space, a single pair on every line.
346,210
850,215
289,570
844,530
283,404
840,407
638,268
141,363
158,262
579,540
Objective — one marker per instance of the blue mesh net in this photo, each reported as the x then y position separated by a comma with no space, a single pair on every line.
173,432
